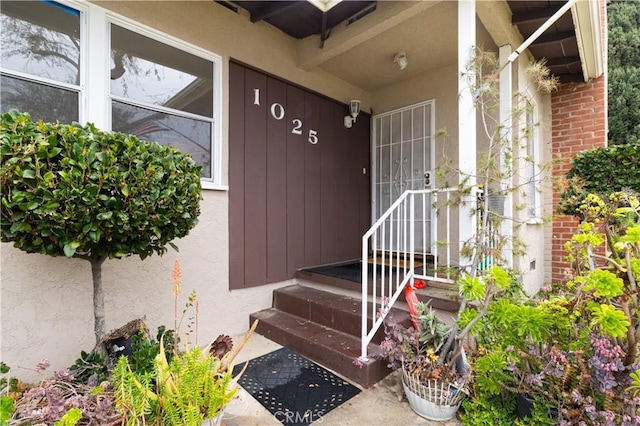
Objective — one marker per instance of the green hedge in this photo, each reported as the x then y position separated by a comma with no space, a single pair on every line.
601,171
75,190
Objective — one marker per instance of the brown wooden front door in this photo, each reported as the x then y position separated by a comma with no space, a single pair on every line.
299,180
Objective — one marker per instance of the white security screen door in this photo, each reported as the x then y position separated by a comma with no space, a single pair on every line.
403,157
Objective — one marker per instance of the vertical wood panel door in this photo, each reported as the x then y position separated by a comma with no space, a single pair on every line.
299,190
276,181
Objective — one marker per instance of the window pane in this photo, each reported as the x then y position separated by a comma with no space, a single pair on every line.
41,39
186,134
41,101
146,70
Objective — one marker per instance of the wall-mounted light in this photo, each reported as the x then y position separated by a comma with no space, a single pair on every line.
354,110
401,60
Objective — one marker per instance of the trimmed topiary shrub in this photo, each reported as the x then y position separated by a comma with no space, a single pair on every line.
76,191
601,171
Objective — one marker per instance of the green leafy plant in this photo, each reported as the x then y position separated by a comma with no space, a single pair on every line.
90,368
70,418
433,331
145,349
635,383
433,351
152,386
600,171
7,408
9,392
486,409
574,347
195,385
76,191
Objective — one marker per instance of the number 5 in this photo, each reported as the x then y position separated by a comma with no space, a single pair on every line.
313,138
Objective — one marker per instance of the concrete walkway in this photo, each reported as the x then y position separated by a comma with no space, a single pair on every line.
378,405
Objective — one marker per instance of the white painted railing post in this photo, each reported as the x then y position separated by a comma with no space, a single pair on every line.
412,236
365,300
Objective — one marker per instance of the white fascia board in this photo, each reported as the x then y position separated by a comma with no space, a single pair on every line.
586,20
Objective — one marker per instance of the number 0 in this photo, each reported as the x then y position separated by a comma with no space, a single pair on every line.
277,111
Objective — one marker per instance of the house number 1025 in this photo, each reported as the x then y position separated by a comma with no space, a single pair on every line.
278,112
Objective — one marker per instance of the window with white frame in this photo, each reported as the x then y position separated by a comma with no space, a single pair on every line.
531,169
41,60
158,88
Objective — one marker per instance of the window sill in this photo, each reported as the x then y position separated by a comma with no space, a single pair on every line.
535,221
213,186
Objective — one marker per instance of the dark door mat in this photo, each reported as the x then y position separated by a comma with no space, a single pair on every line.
353,271
295,390
344,271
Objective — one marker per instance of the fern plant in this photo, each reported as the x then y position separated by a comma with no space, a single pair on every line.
133,394
194,388
195,385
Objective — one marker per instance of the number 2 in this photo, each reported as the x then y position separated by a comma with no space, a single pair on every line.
297,127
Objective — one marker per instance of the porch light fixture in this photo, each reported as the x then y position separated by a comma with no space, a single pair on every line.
401,60
324,5
354,110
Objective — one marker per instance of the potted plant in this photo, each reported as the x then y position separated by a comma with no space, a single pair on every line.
435,373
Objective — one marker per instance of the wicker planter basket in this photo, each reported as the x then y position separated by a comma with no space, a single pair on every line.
435,399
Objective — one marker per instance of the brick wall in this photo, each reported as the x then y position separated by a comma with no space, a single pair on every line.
579,123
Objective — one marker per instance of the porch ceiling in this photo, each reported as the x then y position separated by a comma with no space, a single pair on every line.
357,40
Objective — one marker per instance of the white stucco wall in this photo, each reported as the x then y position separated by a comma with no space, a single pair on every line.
535,259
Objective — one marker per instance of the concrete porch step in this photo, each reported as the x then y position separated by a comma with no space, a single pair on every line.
332,349
325,326
340,312
443,297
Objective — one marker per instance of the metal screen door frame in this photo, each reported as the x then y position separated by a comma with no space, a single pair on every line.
403,157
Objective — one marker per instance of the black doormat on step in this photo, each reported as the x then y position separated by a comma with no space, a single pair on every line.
295,390
344,271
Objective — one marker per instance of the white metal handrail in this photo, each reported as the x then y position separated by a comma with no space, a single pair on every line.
407,231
